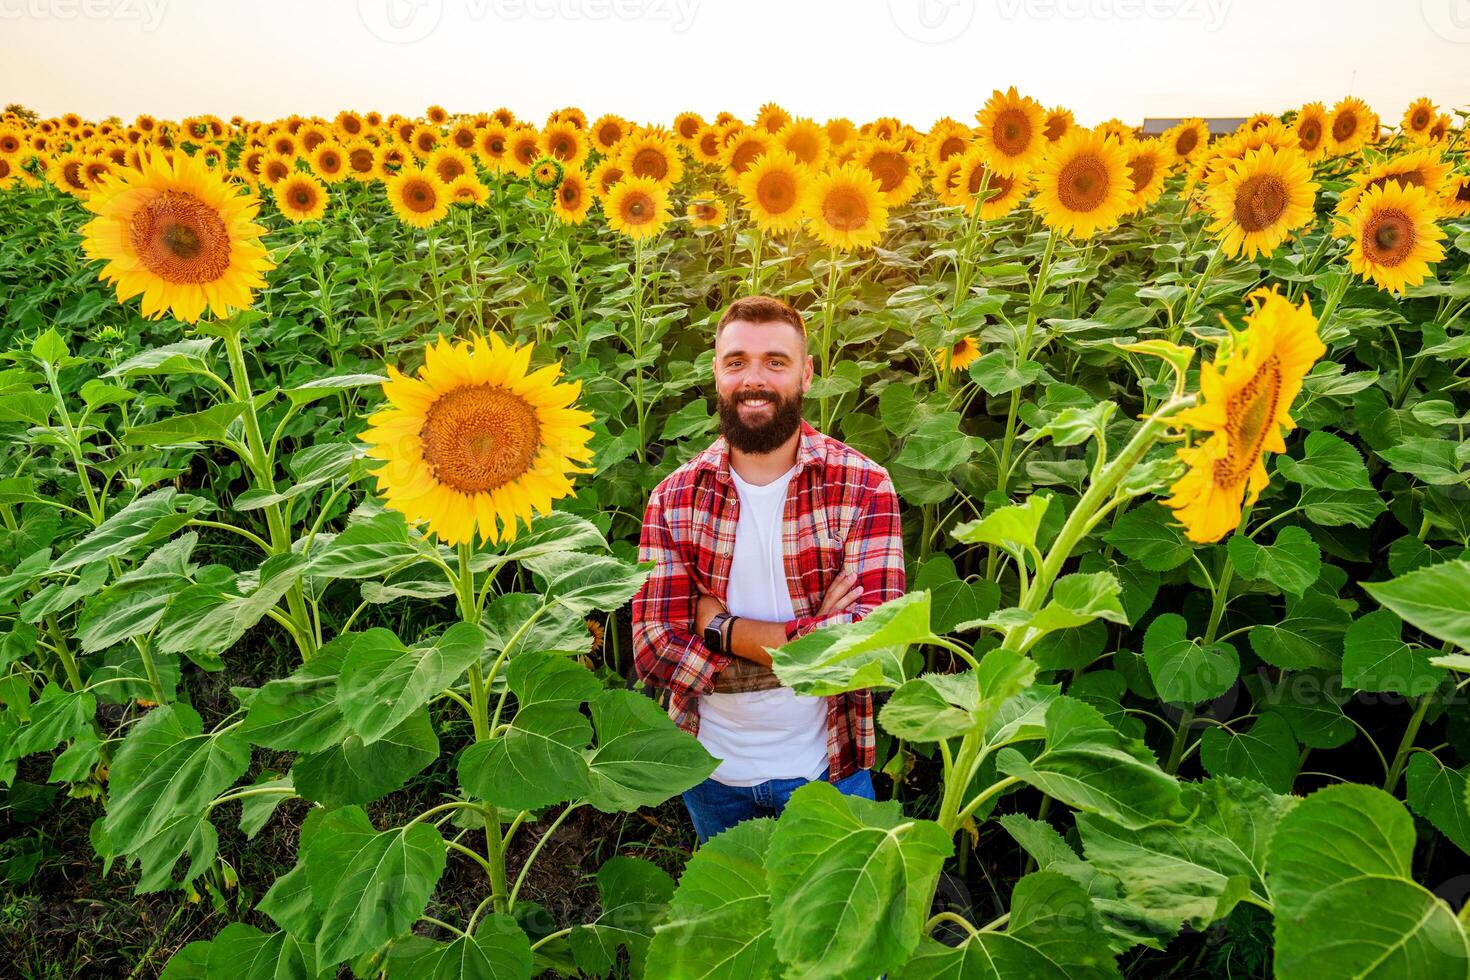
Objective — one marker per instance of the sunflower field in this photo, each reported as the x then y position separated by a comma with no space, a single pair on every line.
324,452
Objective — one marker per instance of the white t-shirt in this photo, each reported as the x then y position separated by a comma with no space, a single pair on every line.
774,734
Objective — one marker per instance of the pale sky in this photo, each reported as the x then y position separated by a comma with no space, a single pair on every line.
649,59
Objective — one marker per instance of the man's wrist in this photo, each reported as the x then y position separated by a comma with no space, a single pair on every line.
728,633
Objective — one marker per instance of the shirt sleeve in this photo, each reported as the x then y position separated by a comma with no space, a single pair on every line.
874,549
666,651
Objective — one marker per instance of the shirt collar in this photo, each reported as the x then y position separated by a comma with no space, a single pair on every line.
809,451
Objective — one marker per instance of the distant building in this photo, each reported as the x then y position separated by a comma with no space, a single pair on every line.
1221,126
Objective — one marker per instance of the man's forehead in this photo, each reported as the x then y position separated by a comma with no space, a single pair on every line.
744,337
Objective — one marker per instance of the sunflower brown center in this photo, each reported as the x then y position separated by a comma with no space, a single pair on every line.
1259,202
950,147
1389,237
1310,134
1056,128
480,437
1421,119
889,169
418,196
1186,143
181,239
1463,192
1141,169
571,194
745,155
563,148
845,209
303,197
1248,415
1082,183
638,209
1344,126
361,160
649,162
1012,132
609,134
776,192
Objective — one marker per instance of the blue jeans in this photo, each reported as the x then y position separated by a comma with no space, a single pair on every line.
714,807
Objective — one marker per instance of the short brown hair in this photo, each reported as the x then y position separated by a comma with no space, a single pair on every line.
762,309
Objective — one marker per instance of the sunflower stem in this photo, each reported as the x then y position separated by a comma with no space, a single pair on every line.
261,463
829,302
1096,502
1023,353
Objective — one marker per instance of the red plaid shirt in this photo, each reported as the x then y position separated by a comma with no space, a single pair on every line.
841,514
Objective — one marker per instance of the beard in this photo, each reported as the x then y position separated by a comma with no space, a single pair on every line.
763,436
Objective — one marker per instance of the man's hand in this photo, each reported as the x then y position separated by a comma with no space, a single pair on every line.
704,611
843,592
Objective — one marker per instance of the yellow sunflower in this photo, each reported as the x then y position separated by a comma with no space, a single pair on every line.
467,189
1245,404
1418,118
742,149
608,131
328,162
276,168
1148,167
1351,126
687,126
772,117
449,163
475,443
180,235
844,208
1417,168
1395,237
840,133
65,172
1260,201
604,177
358,160
523,149
1059,123
301,197
1444,124
946,140
463,136
637,207
1011,131
706,145
895,170
1188,138
705,212
563,142
572,200
350,124
966,351
437,115
1456,199
1310,128
772,191
418,197
492,145
1082,184
806,141
972,176
653,156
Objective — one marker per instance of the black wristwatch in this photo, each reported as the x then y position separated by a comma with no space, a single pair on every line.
714,633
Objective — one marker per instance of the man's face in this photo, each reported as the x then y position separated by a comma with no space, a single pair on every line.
761,374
